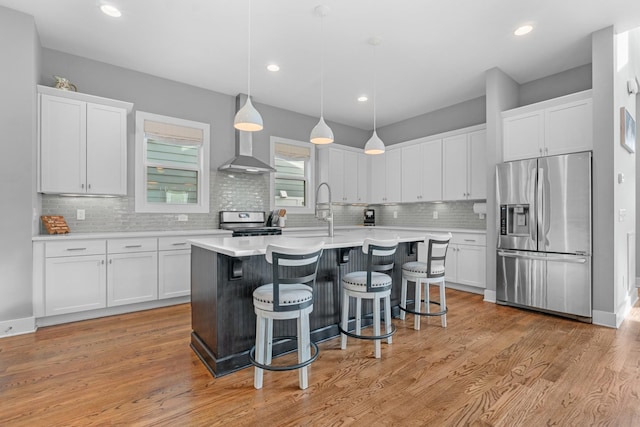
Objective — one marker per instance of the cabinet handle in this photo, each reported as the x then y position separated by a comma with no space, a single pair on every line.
110,261
132,246
179,244
469,240
76,249
89,186
82,186
102,262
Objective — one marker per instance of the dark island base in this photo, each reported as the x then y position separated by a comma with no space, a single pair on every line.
222,315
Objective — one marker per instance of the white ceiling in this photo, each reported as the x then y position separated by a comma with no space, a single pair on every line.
434,53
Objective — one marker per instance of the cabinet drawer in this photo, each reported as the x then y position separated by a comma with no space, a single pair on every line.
469,239
75,248
178,242
121,246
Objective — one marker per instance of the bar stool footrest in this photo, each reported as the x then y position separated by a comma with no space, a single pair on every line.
368,337
420,313
307,362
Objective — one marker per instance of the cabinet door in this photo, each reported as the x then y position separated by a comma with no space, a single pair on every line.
174,273
132,278
451,264
106,150
378,189
336,177
477,185
523,136
363,178
393,177
75,284
454,182
472,265
431,171
568,128
412,173
350,174
62,145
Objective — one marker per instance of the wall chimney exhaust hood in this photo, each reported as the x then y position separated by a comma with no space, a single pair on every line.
244,162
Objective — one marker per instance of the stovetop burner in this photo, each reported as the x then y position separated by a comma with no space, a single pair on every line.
246,223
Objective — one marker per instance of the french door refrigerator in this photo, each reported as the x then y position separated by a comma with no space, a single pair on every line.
544,241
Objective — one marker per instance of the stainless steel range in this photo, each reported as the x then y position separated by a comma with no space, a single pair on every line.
246,223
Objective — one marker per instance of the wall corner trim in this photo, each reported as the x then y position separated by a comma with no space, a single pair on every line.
489,296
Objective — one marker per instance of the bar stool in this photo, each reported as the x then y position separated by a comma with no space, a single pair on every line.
370,284
428,270
289,297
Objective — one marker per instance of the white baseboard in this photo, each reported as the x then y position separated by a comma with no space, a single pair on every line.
9,328
614,320
489,295
637,282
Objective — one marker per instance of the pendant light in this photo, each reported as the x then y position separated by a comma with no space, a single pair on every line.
321,133
374,145
247,118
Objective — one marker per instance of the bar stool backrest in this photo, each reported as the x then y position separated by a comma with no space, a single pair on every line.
293,265
376,249
433,252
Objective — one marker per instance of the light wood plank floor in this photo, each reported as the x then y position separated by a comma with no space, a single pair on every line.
492,366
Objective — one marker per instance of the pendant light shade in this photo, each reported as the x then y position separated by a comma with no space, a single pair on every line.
374,145
248,118
321,133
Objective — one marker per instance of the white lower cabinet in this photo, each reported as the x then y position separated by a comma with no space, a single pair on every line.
174,267
466,260
132,271
75,276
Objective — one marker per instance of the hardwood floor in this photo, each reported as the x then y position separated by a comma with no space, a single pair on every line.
491,366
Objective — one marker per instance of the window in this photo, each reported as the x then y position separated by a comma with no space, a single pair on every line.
292,183
172,164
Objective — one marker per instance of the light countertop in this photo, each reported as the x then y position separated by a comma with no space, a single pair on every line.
343,238
129,234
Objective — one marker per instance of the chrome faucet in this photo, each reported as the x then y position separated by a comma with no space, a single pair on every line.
324,210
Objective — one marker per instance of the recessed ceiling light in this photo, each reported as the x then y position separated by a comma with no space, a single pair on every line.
273,67
111,10
362,98
521,31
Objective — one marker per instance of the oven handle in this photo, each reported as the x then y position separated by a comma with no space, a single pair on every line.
542,258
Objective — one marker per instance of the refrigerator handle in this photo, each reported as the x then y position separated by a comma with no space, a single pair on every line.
507,254
540,197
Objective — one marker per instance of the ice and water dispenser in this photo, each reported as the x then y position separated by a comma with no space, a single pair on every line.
514,220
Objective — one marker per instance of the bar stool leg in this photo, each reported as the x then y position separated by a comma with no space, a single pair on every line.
443,303
403,298
303,334
345,319
417,305
387,317
376,326
358,315
260,350
268,343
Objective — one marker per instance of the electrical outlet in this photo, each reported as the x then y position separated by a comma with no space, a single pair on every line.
395,214
80,214
435,214
183,217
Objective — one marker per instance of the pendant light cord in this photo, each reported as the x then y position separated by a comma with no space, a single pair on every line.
375,98
322,67
249,56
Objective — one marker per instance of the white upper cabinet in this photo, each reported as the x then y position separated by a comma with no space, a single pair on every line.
422,172
345,170
558,126
83,143
464,166
386,177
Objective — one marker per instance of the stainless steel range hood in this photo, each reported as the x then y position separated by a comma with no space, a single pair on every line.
244,162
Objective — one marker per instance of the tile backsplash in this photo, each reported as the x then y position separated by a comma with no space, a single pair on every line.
244,192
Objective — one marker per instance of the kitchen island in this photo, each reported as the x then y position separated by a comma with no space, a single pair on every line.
226,270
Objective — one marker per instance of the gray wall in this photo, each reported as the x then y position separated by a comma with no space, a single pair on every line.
464,114
560,84
19,48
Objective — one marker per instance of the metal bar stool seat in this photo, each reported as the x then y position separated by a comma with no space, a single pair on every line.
371,284
289,297
428,270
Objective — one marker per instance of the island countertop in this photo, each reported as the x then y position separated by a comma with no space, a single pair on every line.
256,245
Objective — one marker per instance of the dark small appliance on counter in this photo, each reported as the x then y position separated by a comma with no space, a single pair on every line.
369,217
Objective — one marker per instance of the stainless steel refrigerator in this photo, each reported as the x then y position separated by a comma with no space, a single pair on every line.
544,240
